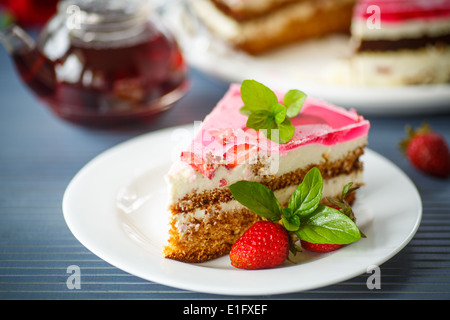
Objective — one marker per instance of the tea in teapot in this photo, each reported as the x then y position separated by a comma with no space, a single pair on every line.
101,62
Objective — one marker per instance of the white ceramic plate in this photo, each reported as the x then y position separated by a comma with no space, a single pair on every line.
116,207
319,67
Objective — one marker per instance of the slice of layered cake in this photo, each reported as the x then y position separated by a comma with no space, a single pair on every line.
257,26
205,219
401,42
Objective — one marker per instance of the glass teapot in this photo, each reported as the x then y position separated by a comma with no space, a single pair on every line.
101,62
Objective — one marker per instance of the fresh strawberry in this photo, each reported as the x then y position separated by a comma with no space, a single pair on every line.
264,245
319,247
223,136
238,154
427,151
223,182
201,165
267,244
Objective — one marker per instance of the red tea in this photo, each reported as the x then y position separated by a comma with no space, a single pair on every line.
107,86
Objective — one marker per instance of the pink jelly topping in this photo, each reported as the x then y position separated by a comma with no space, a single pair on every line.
225,139
396,11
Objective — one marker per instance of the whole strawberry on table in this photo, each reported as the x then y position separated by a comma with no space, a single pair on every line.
427,151
319,228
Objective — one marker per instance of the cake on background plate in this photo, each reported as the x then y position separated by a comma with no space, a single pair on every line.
258,26
205,220
389,43
401,42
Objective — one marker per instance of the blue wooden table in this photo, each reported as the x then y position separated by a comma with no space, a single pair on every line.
40,154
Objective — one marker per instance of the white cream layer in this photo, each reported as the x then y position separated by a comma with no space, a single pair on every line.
402,67
182,179
331,188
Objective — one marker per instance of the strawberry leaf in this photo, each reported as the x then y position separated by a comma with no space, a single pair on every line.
258,198
347,190
328,225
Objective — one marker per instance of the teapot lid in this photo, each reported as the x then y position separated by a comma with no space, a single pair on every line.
106,23
97,13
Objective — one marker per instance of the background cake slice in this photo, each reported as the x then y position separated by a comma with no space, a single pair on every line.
205,220
257,26
241,10
401,42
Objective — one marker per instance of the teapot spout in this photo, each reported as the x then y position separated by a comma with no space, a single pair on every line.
15,39
36,70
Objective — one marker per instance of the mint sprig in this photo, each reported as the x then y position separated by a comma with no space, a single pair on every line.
266,114
304,217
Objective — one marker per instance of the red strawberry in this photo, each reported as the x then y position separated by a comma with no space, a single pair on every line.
238,154
223,136
223,182
319,247
31,13
199,164
427,151
264,245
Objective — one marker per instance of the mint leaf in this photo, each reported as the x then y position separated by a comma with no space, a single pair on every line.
261,119
286,131
306,198
290,221
293,100
246,110
278,112
265,113
328,225
257,96
258,198
266,121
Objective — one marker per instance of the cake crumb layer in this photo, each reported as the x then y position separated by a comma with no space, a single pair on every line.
210,238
